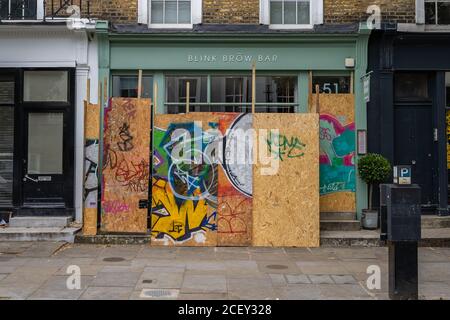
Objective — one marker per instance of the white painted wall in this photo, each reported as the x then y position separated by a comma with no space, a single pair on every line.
57,46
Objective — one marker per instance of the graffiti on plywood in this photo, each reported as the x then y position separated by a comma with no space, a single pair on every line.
200,190
126,168
337,155
184,197
235,202
91,174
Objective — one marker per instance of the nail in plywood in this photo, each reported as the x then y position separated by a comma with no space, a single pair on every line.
286,204
126,170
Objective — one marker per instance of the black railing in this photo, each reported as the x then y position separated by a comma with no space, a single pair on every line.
51,9
18,9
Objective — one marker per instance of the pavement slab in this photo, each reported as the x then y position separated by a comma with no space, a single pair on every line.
107,293
39,271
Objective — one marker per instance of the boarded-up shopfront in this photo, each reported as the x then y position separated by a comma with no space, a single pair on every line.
202,95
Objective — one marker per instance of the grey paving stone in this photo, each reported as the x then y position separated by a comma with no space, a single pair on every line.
41,294
278,280
322,267
297,279
248,283
241,267
59,283
14,262
122,268
434,271
298,292
204,296
267,256
160,280
81,251
116,279
107,293
17,291
434,290
205,265
2,276
321,279
42,249
46,262
245,294
345,292
282,267
344,279
355,253
86,270
204,284
7,269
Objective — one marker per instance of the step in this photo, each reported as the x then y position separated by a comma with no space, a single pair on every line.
39,222
432,222
340,225
337,216
38,234
109,239
361,238
371,238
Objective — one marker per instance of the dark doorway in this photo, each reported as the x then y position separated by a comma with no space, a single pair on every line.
46,142
415,134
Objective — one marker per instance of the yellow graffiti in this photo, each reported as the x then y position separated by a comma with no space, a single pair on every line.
172,219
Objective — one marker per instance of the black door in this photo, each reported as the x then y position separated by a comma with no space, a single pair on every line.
43,174
414,145
45,142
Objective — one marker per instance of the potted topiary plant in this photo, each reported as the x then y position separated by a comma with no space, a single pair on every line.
373,169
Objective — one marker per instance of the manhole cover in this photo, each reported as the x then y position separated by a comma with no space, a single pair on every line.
147,281
114,259
159,293
277,267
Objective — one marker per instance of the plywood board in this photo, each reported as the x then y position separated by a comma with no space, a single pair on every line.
235,194
91,160
126,170
286,202
184,194
337,153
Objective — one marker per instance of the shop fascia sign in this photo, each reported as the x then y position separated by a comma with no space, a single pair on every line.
232,58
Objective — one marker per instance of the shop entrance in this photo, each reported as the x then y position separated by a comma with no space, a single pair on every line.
415,136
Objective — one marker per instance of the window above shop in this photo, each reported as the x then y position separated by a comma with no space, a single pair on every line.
231,93
437,12
291,14
33,10
170,13
126,86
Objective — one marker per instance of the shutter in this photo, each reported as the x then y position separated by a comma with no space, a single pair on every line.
6,142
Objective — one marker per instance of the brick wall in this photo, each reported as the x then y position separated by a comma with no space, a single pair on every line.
247,11
231,11
117,11
348,11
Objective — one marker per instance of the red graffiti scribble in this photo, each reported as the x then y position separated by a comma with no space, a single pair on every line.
231,220
130,108
134,176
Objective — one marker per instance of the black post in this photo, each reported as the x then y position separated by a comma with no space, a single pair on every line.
403,234
403,270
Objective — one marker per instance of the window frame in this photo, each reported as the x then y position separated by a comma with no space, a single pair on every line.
437,13
316,16
145,9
